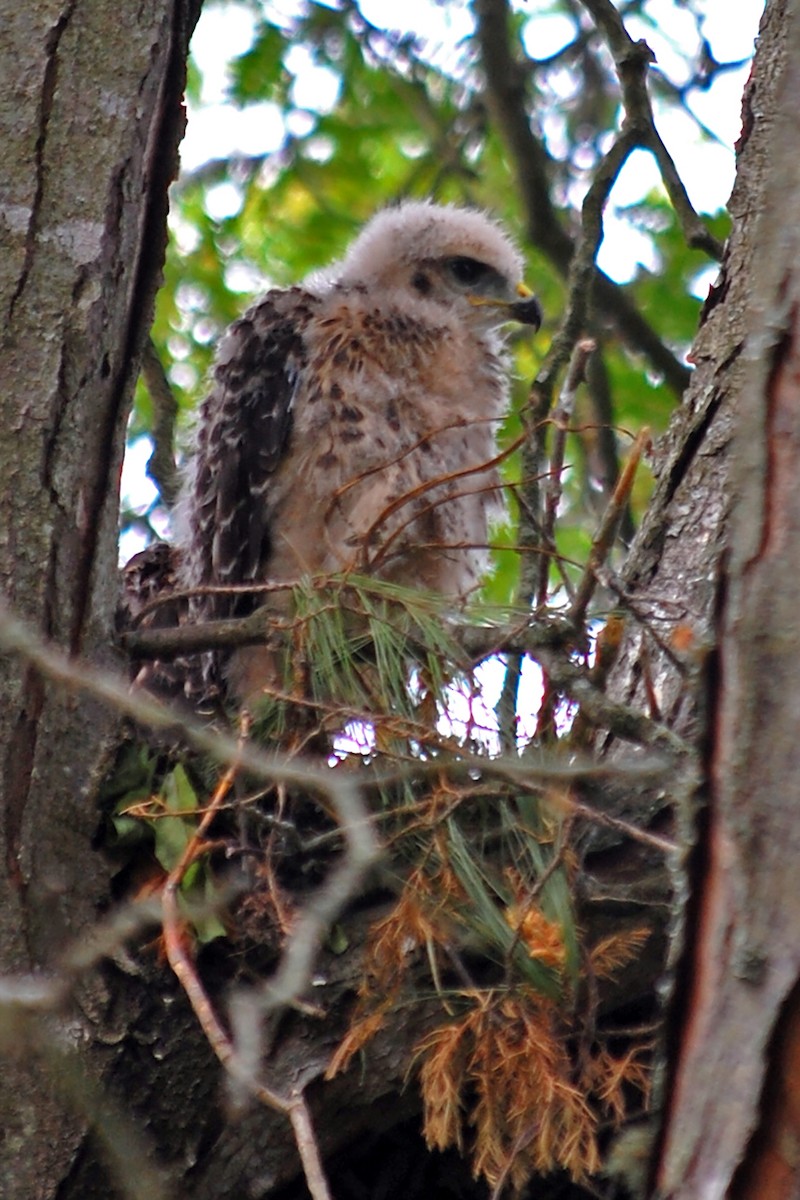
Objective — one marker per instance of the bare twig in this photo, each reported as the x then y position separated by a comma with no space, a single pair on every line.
194,637
609,580
632,60
294,969
303,1131
603,539
161,466
180,595
582,268
478,642
553,488
342,791
598,817
175,941
180,959
534,450
604,453
626,722
506,86
547,640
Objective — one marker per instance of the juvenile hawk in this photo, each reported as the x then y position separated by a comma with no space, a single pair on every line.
352,420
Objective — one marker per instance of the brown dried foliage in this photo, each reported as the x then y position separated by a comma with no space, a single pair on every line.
513,1078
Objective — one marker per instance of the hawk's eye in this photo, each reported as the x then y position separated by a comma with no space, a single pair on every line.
467,270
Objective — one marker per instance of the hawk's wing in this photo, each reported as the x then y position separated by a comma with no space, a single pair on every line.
244,426
147,601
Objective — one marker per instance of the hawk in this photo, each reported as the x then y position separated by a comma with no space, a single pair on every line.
352,421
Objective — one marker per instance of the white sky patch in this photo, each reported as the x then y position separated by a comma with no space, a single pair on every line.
547,34
314,87
220,130
443,27
469,711
624,249
138,490
704,280
223,32
223,200
357,737
216,128
707,170
531,691
138,493
245,279
731,27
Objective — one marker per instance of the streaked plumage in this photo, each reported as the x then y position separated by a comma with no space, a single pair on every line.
351,425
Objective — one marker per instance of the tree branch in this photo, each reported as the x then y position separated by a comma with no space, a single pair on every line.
505,80
161,466
632,60
345,796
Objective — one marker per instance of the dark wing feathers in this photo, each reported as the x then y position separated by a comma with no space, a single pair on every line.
243,430
244,426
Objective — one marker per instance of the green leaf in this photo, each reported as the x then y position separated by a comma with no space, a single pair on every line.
173,833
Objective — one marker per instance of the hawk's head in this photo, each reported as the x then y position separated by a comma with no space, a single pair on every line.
451,256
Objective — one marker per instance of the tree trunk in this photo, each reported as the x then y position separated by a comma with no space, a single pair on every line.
89,129
735,1074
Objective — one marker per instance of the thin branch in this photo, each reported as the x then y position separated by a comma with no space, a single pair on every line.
632,60
193,638
606,466
506,84
294,969
506,94
625,722
161,466
695,230
597,817
553,488
303,1131
241,1069
529,537
544,639
477,641
604,538
179,595
582,269
612,583
344,794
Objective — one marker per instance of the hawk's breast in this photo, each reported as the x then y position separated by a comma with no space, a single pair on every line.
386,471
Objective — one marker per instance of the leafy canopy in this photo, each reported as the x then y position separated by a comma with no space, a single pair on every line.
354,113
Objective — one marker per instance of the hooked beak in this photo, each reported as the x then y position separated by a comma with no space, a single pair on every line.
526,310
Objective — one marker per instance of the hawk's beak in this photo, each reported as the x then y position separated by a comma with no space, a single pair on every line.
526,310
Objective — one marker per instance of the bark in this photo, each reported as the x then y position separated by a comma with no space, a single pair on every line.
739,1035
714,570
89,125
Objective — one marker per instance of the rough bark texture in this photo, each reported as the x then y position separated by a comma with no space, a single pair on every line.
89,125
746,957
715,566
